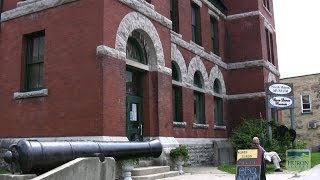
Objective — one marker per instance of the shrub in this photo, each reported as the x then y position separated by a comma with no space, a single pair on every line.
180,151
241,137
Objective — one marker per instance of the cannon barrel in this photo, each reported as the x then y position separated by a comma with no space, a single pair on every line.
33,156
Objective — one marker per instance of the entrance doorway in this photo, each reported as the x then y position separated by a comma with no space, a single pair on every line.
134,105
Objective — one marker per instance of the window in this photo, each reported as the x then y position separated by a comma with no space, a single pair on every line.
305,104
269,41
1,5
34,61
134,51
148,1
214,35
174,15
176,94
199,113
218,103
266,4
195,23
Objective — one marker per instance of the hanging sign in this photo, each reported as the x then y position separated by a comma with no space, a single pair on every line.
280,102
279,89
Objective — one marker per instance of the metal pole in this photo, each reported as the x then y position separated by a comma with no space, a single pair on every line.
269,123
293,119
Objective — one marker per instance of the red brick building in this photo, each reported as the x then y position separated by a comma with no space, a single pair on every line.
176,70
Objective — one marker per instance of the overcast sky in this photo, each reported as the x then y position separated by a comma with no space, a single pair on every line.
298,36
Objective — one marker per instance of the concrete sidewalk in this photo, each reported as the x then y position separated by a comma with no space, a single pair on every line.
204,173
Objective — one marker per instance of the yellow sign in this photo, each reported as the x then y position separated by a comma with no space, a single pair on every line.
247,153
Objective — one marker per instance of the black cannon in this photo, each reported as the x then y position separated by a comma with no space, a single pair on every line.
32,156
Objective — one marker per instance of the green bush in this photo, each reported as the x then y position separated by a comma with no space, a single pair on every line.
241,138
180,151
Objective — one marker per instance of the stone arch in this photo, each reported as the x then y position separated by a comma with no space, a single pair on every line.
272,77
177,57
135,21
215,73
197,65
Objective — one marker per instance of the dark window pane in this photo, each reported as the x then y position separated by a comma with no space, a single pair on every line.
199,108
175,72
218,111
195,23
198,80
177,103
305,99
35,50
217,86
41,49
214,36
34,61
174,15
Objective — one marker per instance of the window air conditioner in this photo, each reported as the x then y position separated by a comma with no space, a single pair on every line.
312,125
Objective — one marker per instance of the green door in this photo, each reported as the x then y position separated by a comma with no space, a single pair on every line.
134,118
134,111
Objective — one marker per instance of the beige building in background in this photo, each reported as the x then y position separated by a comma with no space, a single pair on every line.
306,91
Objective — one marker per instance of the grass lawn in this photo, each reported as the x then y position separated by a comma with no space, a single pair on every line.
3,171
315,158
231,168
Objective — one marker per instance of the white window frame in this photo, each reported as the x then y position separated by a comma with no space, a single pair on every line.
303,111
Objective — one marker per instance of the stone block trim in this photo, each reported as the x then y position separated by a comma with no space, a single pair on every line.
213,8
215,73
30,94
32,7
177,57
103,50
246,96
254,63
148,10
197,65
134,21
272,77
176,39
251,14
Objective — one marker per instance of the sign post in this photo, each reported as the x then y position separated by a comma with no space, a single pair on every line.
279,96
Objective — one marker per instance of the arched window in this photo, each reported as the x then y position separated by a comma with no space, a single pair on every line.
198,80
176,75
198,99
176,93
218,103
135,52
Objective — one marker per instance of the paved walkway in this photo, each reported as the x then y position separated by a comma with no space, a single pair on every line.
204,173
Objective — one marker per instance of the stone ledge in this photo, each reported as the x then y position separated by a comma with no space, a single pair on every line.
219,127
148,10
30,94
180,124
200,126
32,8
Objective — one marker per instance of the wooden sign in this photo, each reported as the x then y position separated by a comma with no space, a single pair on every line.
249,164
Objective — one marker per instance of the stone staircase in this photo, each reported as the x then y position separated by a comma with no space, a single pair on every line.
152,172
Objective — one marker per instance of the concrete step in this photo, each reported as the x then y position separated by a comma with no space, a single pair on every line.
142,171
156,176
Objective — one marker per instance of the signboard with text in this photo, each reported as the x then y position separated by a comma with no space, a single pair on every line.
280,95
280,102
298,159
284,89
248,164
